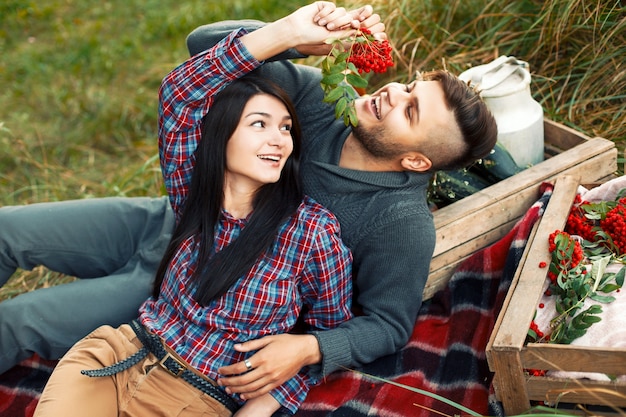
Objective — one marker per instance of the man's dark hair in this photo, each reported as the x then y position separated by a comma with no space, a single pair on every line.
475,121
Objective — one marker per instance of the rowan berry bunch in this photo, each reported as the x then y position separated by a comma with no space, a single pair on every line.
596,234
601,224
567,253
572,283
578,223
368,54
344,67
614,224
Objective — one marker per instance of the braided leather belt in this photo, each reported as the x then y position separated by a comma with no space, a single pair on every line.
168,361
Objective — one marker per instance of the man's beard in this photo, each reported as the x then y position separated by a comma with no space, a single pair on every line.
372,141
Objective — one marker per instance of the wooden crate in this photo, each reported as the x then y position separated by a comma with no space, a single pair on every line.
507,354
483,218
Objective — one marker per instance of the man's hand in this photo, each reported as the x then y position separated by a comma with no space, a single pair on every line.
278,358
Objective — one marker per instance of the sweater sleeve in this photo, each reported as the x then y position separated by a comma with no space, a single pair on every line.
391,266
206,36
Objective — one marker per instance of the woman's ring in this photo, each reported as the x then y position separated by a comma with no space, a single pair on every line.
248,364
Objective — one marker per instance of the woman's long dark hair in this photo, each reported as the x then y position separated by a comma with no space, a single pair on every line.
273,203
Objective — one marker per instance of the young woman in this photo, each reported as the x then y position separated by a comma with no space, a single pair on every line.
249,255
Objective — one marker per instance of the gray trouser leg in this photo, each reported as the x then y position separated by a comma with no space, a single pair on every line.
116,242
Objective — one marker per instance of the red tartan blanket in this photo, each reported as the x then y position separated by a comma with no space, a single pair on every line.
445,355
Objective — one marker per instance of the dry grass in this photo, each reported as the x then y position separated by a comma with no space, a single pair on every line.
575,49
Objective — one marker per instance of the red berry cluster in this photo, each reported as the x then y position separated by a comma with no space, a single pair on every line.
577,223
370,54
560,258
535,328
614,224
536,372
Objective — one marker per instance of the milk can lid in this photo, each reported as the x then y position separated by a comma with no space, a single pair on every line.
502,76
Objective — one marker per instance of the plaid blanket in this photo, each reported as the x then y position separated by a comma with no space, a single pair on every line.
445,356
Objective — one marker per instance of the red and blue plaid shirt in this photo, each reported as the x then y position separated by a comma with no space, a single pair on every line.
307,268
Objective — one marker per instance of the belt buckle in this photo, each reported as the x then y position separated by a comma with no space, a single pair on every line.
182,366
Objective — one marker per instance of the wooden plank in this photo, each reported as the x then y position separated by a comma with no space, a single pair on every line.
442,267
491,234
507,339
533,176
507,302
574,358
557,390
561,136
510,383
526,294
509,199
453,246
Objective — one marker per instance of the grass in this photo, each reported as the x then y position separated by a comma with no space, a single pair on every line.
79,91
79,79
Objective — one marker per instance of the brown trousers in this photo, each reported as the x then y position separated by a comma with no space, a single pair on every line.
146,389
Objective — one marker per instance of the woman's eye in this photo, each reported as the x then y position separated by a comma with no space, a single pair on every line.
259,123
286,128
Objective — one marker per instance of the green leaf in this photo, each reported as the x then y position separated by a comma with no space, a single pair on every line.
602,298
597,270
594,309
619,277
352,68
340,107
336,68
351,113
334,95
326,64
342,57
609,288
356,81
572,335
591,319
333,79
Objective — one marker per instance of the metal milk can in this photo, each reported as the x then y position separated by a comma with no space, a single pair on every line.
504,84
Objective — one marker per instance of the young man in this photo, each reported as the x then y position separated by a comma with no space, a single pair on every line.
373,178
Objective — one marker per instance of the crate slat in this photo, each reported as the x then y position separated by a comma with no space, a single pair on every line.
462,228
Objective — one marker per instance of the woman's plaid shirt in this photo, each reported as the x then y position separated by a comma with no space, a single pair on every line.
308,269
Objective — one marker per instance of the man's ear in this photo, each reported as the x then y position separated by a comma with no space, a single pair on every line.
416,161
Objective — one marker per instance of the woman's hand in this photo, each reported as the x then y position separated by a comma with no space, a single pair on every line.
369,20
278,358
312,25
263,406
309,27
363,17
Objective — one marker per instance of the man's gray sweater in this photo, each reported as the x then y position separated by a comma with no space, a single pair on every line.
384,217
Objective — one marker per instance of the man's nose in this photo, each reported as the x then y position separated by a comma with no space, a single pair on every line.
396,93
